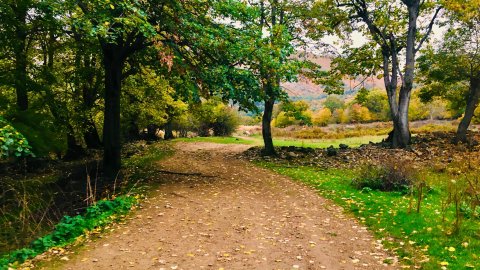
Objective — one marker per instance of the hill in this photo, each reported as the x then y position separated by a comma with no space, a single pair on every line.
305,89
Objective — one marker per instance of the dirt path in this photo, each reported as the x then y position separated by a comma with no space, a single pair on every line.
224,213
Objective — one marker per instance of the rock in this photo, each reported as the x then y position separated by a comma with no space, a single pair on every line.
291,155
343,146
331,151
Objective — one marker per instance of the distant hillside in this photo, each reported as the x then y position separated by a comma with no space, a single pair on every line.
305,89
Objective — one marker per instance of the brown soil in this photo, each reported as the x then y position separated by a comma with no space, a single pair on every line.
216,211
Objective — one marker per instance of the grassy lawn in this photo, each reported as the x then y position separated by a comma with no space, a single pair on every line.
424,239
320,143
324,143
314,143
222,140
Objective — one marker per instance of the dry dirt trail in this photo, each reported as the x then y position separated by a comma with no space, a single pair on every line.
220,212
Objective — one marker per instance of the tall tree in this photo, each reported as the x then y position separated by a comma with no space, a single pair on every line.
182,32
455,65
268,54
17,23
393,33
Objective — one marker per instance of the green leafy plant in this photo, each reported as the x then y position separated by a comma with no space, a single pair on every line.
69,228
12,142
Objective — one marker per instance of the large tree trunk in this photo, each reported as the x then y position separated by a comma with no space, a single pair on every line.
113,64
472,103
268,149
168,130
401,130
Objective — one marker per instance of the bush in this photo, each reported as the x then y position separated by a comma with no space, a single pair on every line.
359,114
12,142
226,122
69,228
322,117
283,120
389,176
43,134
214,115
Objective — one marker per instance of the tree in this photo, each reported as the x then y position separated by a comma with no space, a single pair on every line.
182,32
322,117
393,32
298,110
453,70
17,27
333,103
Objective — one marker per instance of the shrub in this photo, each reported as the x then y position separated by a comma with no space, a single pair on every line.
322,117
226,122
283,120
12,142
359,114
341,116
389,176
40,129
216,116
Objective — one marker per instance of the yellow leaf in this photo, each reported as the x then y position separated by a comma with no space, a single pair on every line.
112,7
444,263
451,249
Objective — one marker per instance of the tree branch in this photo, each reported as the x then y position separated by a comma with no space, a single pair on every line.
429,29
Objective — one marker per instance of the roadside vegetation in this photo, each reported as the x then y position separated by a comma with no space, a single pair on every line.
54,216
422,204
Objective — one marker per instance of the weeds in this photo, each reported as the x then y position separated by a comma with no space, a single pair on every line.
389,176
69,228
31,207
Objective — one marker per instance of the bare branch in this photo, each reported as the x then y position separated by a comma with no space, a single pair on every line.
429,29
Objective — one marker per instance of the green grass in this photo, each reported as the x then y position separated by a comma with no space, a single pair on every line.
146,159
352,142
320,143
222,140
314,143
419,239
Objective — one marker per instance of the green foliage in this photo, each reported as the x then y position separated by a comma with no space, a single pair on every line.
298,110
69,228
417,109
214,115
41,132
377,103
12,142
333,103
283,120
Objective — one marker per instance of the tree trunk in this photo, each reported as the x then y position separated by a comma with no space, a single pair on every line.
401,130
472,102
168,130
268,149
90,135
21,78
74,151
113,64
